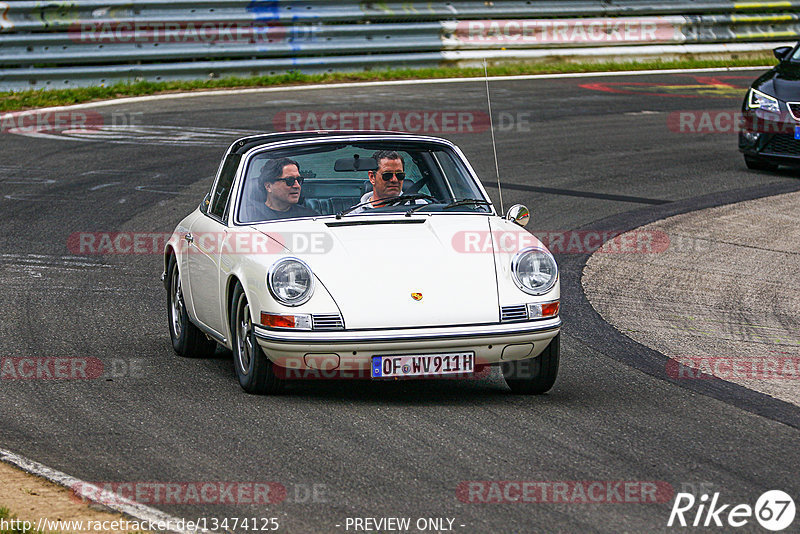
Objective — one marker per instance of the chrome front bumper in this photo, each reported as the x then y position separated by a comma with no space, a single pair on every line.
354,349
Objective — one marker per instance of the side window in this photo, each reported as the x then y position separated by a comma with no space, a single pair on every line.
220,196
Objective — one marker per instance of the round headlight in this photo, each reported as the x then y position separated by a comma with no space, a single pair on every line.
534,271
290,281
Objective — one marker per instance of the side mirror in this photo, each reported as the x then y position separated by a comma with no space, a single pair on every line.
782,52
205,203
518,214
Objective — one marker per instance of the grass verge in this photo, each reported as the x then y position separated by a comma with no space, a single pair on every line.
14,101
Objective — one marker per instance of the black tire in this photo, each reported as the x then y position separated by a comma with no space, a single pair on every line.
187,339
534,376
256,373
758,164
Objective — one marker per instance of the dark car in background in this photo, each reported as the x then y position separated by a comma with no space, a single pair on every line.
770,129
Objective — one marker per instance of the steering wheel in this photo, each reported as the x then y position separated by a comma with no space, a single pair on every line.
416,187
408,198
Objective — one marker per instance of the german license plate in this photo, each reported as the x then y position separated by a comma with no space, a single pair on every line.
410,365
797,132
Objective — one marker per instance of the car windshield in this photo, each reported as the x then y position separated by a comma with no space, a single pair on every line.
335,178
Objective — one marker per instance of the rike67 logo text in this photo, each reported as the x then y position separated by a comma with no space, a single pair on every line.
774,510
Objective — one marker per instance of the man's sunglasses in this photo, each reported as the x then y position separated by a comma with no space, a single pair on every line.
387,175
290,180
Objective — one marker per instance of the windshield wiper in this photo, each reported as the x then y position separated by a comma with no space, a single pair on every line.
464,202
468,202
387,202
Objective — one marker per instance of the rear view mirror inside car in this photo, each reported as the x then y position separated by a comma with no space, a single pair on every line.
356,163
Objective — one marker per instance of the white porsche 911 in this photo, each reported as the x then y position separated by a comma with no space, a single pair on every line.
368,254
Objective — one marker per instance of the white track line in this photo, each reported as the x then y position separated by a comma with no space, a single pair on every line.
101,186
109,500
227,92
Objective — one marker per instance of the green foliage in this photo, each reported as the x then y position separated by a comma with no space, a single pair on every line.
12,101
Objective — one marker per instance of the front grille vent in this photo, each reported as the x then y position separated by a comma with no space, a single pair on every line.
510,314
329,321
783,144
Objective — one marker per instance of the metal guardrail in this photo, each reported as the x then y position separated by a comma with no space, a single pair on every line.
92,46
35,15
619,31
63,44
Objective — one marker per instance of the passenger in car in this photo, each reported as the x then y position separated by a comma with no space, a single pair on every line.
386,180
283,183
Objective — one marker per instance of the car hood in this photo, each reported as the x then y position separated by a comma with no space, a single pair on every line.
373,265
782,82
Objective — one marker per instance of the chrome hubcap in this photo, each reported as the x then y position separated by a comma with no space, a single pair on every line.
176,304
244,341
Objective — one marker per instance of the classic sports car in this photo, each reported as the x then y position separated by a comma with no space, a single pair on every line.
770,128
372,254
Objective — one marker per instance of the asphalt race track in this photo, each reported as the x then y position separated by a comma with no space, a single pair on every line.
602,152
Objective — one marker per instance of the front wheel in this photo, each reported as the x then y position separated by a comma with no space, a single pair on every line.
187,339
256,373
534,376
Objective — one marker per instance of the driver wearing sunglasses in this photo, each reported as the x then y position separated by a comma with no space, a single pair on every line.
282,180
386,180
